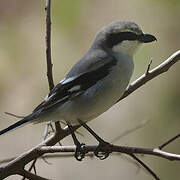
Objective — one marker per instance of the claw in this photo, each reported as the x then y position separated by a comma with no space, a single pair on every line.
102,155
79,153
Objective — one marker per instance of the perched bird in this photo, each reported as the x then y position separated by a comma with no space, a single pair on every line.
94,84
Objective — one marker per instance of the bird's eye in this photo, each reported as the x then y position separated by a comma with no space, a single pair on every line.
116,38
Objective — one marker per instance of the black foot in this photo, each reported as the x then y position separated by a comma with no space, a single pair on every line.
102,155
79,153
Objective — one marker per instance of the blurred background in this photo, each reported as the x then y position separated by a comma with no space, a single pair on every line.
23,82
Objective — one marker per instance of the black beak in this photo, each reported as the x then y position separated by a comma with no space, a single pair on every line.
147,38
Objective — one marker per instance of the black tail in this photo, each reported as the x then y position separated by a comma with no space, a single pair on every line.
20,123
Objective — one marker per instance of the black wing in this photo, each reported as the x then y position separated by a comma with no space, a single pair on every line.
73,86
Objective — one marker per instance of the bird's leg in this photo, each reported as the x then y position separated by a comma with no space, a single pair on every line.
102,143
79,154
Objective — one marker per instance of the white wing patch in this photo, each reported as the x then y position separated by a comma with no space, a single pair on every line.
75,88
46,98
63,81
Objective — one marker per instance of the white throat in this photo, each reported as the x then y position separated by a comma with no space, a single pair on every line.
127,47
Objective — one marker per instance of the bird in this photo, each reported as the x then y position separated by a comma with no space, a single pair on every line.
94,84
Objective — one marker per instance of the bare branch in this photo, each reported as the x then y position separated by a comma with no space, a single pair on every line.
48,61
113,148
163,67
19,163
48,51
48,44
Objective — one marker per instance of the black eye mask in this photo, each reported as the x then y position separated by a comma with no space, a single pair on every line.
114,39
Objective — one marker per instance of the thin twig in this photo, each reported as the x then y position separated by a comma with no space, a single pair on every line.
130,160
14,115
169,141
48,59
30,175
34,168
145,166
48,51
46,130
31,167
46,133
48,44
46,161
129,131
148,68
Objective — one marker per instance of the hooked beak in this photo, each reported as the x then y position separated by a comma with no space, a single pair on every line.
147,38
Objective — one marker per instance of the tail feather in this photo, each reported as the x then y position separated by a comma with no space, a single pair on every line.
20,123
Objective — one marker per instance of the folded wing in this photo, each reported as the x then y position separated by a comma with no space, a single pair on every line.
71,87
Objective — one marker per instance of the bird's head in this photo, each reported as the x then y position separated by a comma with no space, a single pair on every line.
122,37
